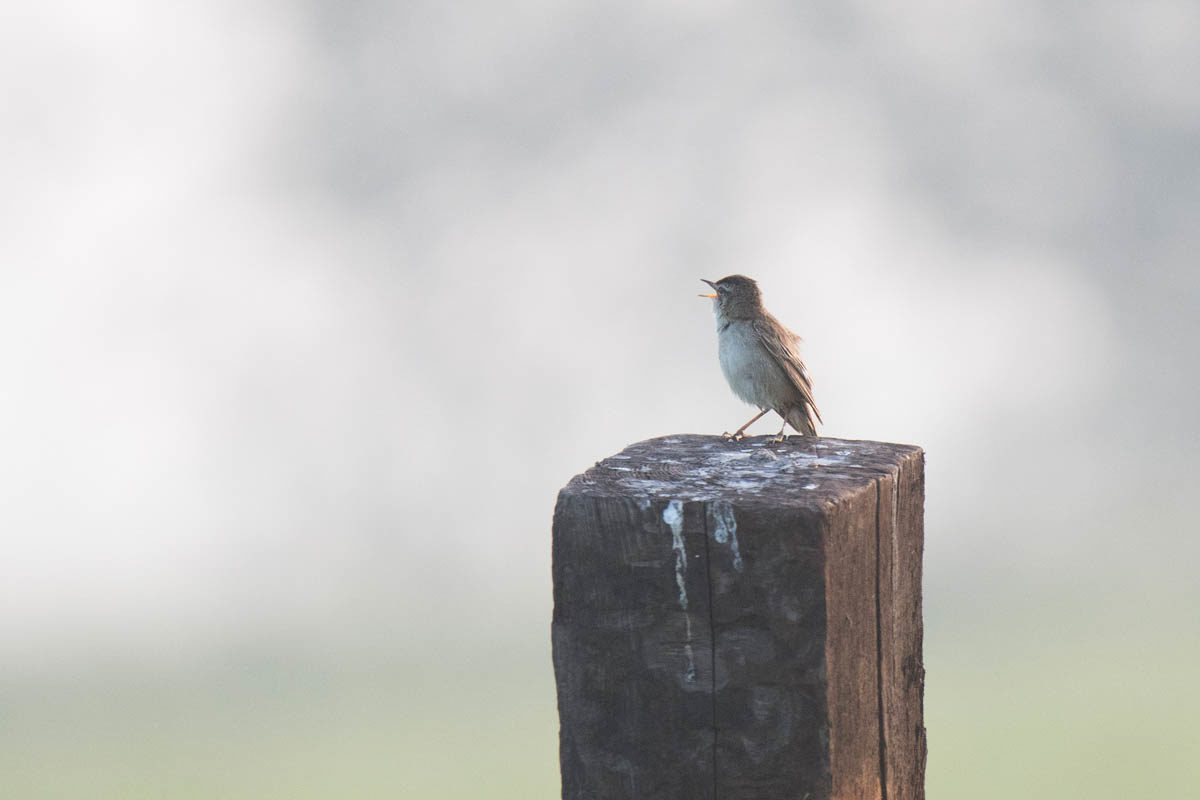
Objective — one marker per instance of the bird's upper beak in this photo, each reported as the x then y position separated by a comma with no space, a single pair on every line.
710,283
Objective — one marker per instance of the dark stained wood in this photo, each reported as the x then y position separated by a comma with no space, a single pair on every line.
632,663
768,621
852,645
905,672
741,620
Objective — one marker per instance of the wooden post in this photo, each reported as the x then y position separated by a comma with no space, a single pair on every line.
741,620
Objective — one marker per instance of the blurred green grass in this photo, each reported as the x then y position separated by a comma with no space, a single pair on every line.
463,729
1010,713
1096,719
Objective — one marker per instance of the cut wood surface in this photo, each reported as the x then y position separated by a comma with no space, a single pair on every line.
741,620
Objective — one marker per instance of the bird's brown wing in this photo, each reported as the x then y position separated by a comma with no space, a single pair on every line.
781,344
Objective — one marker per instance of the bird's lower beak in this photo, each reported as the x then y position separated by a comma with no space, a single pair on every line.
710,283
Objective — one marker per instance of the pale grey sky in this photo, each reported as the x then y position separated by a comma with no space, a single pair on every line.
307,311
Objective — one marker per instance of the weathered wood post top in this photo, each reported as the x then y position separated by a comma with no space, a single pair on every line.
741,620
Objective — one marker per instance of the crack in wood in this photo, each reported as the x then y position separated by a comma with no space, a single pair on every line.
883,790
712,638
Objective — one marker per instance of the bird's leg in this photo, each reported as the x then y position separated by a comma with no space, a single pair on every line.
737,435
779,438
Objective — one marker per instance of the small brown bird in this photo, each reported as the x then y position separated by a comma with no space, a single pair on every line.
759,357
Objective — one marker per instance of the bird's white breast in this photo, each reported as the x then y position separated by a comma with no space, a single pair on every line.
750,370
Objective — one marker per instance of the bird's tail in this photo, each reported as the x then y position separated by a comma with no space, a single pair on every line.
801,418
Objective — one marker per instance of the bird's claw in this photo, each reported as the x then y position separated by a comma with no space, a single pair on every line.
733,437
780,439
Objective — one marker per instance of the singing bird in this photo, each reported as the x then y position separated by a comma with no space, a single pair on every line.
760,359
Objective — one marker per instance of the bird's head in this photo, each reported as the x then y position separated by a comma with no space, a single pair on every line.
735,297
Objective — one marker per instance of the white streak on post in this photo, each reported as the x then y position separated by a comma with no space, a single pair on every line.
673,516
725,529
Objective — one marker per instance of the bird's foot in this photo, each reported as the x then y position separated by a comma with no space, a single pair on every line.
733,437
780,439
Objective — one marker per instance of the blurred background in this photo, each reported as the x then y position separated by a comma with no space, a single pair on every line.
307,311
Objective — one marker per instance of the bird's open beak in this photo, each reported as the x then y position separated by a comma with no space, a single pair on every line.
710,283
